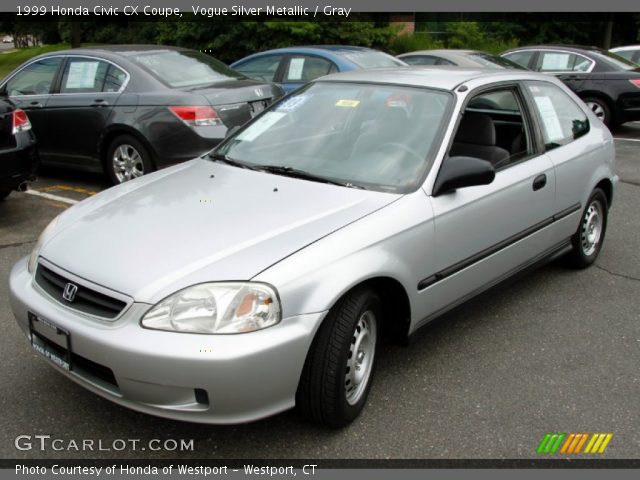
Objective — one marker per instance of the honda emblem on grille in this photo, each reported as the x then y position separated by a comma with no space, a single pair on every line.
70,291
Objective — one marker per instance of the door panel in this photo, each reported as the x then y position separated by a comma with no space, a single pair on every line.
484,232
80,112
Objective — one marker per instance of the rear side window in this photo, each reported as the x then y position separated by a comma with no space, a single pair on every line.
421,60
562,119
522,58
84,75
306,68
34,79
563,62
263,68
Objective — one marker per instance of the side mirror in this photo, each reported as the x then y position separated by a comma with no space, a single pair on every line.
231,131
460,172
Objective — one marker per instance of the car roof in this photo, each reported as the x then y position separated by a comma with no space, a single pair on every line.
332,52
124,50
438,77
570,48
625,47
442,51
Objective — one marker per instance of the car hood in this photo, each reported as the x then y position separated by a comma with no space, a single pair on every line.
197,222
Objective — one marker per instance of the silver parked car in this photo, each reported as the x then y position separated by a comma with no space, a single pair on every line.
361,207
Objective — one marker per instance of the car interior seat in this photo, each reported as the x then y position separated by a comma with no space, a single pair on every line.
476,137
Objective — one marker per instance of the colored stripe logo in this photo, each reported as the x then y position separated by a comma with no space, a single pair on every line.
573,443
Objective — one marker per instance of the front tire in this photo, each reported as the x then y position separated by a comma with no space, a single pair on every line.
588,239
338,372
127,159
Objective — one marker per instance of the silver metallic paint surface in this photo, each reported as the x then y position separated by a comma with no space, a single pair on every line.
312,242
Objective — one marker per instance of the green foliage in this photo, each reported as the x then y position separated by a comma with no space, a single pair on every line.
12,59
233,40
415,42
470,35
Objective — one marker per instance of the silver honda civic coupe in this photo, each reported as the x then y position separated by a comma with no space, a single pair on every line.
265,274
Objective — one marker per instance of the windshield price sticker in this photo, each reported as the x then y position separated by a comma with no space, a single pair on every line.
348,103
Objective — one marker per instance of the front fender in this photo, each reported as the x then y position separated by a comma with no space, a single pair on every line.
391,243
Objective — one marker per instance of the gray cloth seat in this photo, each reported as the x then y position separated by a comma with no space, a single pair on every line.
476,137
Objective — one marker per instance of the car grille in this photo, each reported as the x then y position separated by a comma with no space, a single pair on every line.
86,299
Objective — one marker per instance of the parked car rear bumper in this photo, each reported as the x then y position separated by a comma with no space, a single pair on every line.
18,164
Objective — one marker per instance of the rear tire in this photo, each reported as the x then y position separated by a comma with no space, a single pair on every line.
127,159
338,372
600,109
588,239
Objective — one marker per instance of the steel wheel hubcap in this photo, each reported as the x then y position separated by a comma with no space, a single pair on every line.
597,109
591,228
360,359
127,163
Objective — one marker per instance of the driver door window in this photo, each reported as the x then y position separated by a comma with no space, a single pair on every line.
493,128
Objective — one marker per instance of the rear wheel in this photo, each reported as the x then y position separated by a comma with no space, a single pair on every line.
588,239
127,159
601,109
339,369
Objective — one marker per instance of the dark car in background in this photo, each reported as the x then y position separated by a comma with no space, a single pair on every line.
606,82
293,67
18,154
128,110
458,58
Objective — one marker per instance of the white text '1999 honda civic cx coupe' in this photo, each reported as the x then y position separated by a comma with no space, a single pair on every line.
362,206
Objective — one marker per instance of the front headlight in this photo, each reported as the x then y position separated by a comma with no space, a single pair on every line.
221,308
33,258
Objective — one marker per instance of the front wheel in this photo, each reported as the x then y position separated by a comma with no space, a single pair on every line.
338,373
588,239
127,159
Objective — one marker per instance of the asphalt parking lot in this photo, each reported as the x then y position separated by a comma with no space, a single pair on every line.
554,351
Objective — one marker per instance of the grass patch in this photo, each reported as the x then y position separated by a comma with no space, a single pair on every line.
9,61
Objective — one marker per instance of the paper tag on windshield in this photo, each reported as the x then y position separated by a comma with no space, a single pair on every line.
82,75
348,103
549,118
295,69
258,127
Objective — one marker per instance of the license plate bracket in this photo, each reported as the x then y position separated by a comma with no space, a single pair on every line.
55,345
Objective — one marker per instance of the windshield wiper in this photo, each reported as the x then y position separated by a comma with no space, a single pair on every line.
301,174
229,161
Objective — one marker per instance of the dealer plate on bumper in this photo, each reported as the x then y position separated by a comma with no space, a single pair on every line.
50,341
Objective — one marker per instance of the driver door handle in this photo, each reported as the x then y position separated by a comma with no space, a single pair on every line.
34,105
98,102
539,182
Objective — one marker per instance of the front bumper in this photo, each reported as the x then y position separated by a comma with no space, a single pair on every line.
246,376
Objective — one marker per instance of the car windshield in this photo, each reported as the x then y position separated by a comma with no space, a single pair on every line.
379,137
185,68
494,60
373,59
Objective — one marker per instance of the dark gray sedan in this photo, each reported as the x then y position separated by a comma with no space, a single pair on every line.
128,110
